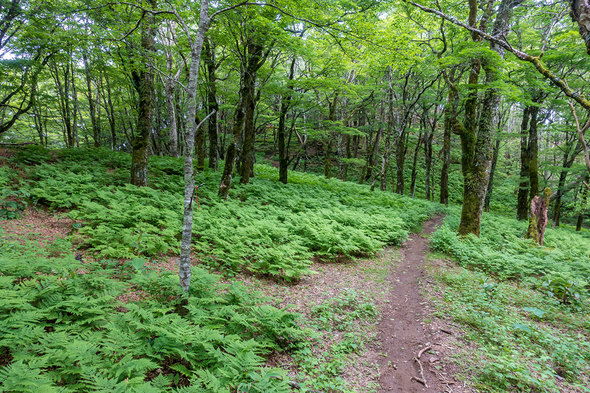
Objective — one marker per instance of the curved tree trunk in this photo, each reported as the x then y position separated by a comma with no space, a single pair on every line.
580,13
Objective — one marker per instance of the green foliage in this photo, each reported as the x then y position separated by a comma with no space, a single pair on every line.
11,204
520,339
343,314
64,328
561,267
266,227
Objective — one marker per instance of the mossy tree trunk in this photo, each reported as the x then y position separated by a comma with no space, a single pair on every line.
143,80
580,13
477,145
538,217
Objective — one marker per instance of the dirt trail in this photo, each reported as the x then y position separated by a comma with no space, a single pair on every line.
402,333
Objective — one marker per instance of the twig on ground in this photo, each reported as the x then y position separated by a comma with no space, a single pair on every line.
423,350
419,380
423,379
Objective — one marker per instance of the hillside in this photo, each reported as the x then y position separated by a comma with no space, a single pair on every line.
91,300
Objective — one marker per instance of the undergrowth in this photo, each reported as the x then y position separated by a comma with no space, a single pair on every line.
265,227
516,338
524,307
560,268
64,328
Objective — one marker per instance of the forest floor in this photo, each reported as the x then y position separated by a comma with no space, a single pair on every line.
403,349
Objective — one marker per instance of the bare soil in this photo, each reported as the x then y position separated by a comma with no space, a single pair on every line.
414,354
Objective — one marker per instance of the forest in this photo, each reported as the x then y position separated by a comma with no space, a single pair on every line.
294,196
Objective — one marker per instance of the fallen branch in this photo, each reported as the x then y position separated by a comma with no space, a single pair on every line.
422,351
423,379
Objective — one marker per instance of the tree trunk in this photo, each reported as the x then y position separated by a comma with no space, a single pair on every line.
533,153
522,206
256,60
184,272
414,163
400,158
285,105
209,61
492,173
538,217
478,147
95,129
580,13
144,84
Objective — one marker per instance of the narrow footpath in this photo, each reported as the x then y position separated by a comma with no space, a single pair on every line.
409,360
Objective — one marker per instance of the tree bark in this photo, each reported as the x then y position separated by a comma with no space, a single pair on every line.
256,60
538,217
144,84
281,134
478,147
580,13
492,173
184,271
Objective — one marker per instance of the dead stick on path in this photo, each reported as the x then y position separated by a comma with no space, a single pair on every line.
423,380
422,351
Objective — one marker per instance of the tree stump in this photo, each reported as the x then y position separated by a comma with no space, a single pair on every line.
538,217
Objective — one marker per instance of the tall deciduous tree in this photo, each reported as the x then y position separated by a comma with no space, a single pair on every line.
143,81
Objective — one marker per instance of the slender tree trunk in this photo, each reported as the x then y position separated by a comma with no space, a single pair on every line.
110,109
95,129
428,137
144,84
492,173
209,61
533,153
257,59
400,158
184,272
285,105
414,163
75,109
522,207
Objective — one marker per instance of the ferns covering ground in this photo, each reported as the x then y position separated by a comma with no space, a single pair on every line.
266,227
64,326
